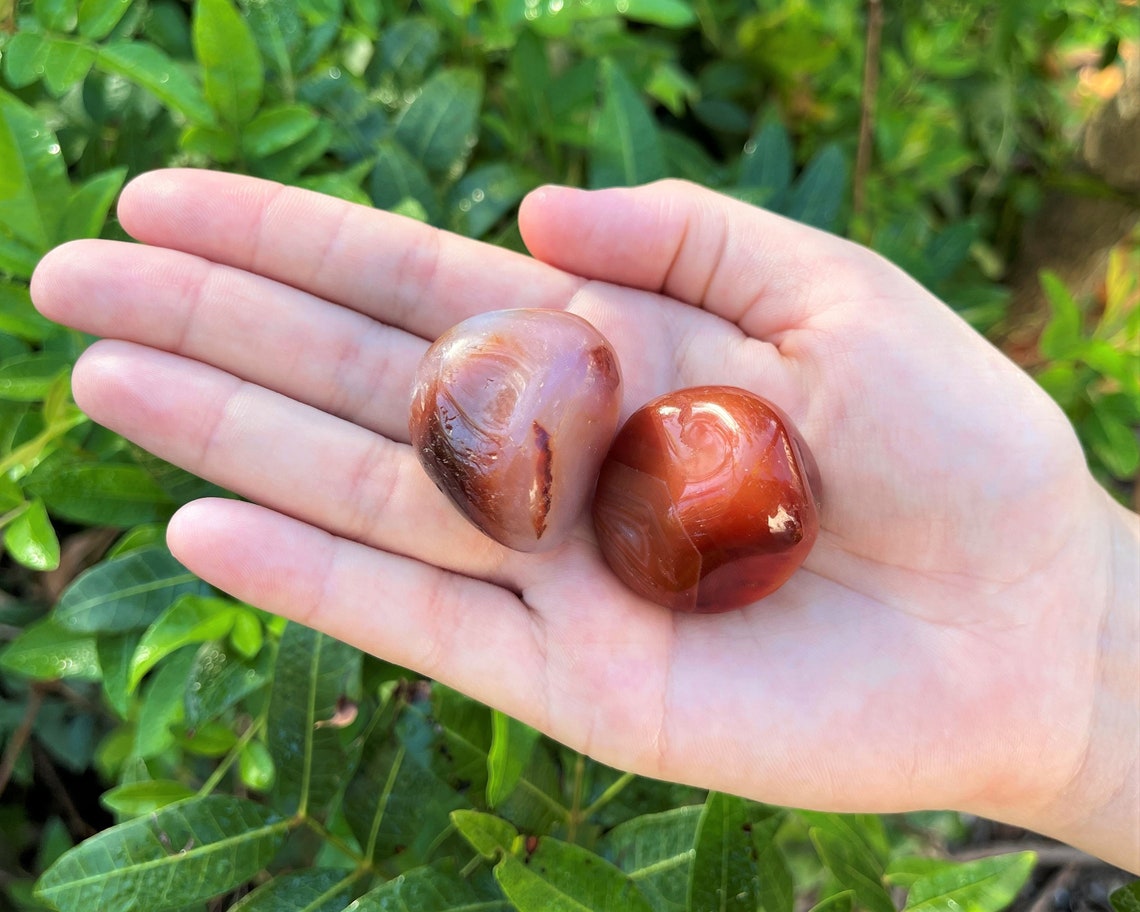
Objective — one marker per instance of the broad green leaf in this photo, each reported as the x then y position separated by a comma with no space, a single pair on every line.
398,176
625,143
903,872
408,47
191,619
27,378
67,63
115,651
232,73
985,885
137,798
108,494
338,185
548,875
1127,898
25,58
215,143
819,194
126,593
33,181
488,835
723,874
46,651
512,743
439,127
247,635
843,901
139,537
439,888
777,887
396,802
184,853
309,890
87,209
1062,334
161,705
17,315
854,849
767,163
656,851
485,194
18,258
1113,441
98,17
277,127
312,675
31,540
148,67
214,739
58,15
218,680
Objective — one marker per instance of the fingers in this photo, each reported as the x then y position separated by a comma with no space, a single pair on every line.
271,334
292,458
749,266
395,269
446,626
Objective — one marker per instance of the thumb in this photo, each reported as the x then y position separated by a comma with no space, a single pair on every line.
745,264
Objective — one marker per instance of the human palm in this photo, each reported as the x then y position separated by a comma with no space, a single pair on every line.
266,339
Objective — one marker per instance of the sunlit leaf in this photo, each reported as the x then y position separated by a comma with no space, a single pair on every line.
985,885
31,540
625,144
232,73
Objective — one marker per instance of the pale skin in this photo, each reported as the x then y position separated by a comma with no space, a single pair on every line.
965,634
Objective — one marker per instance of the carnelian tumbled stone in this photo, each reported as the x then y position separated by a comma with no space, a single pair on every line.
708,500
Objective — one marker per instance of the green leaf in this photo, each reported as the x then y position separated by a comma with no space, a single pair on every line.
667,13
191,619
182,854
256,767
58,15
398,176
31,540
985,885
723,874
1113,441
247,635
1064,331
47,652
843,901
488,835
853,848
277,127
108,494
656,851
408,47
439,127
87,209
310,890
625,143
218,680
25,58
767,163
233,77
548,875
98,17
1127,898
777,887
439,888
18,317
67,63
127,593
512,743
33,181
137,798
312,675
487,193
146,66
27,378
115,651
818,195
396,803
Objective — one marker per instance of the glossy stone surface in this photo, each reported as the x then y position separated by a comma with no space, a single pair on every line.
512,413
708,500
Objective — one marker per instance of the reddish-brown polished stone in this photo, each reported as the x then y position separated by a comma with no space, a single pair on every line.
708,500
512,413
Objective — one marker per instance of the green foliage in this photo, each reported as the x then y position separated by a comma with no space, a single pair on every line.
255,765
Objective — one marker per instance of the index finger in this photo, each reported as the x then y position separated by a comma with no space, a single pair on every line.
394,269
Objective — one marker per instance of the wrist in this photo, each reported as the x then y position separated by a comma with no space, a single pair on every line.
1097,808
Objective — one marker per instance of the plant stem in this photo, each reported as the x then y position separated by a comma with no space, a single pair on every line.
867,113
20,736
216,776
608,795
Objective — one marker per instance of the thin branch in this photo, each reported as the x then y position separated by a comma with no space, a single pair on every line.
20,736
867,114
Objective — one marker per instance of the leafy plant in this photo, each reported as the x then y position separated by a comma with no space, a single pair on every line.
246,763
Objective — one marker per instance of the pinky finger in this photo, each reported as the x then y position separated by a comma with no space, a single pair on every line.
466,633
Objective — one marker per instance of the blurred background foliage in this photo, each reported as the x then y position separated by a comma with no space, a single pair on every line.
164,747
